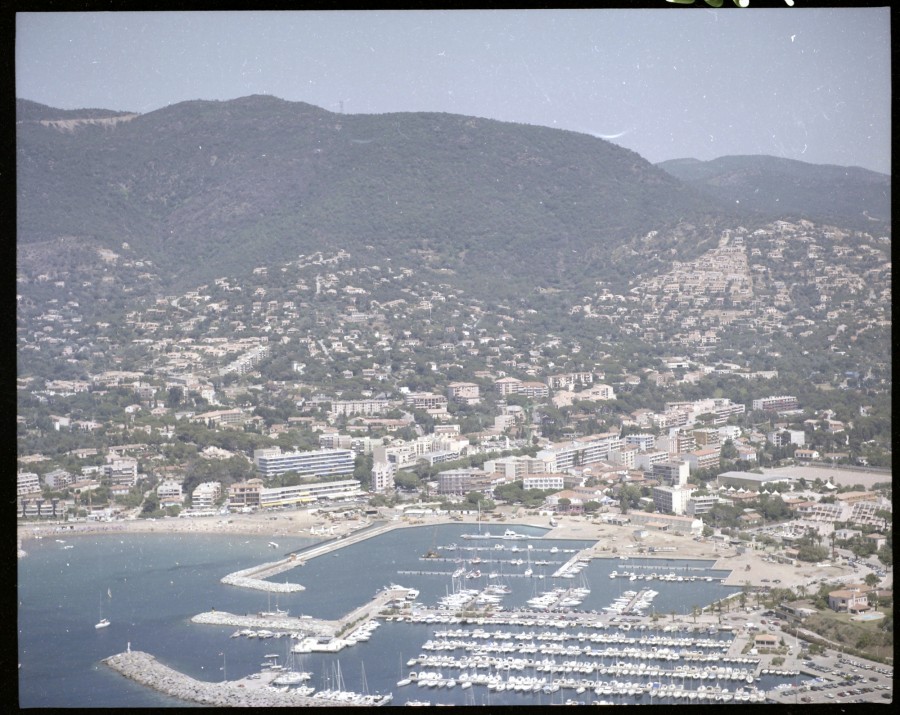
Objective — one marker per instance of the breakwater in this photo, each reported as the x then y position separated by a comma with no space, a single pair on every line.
253,577
143,668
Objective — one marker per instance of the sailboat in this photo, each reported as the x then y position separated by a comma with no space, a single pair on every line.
528,570
103,622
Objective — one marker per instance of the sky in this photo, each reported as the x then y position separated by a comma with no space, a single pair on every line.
812,84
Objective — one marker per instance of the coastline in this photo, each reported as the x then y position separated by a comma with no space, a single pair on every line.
747,568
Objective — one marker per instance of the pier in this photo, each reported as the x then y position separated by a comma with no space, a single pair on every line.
304,625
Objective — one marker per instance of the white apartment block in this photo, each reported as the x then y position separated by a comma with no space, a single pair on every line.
671,500
543,481
776,403
246,362
519,467
697,505
27,483
464,393
361,407
429,448
567,381
425,401
323,462
645,442
534,390
170,492
581,452
59,479
671,473
121,472
646,460
624,456
507,385
782,438
702,458
382,477
205,495
307,493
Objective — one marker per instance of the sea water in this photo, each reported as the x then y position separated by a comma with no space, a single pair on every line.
150,585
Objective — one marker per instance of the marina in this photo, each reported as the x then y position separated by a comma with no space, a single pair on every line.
582,634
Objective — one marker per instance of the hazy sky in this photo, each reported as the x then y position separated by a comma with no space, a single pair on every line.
801,83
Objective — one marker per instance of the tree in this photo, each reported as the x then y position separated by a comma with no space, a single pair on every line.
174,396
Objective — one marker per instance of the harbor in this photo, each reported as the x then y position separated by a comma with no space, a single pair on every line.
598,633
548,647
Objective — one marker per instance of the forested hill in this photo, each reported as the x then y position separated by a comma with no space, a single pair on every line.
206,188
774,188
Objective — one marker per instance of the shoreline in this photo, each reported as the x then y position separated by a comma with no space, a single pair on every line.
747,568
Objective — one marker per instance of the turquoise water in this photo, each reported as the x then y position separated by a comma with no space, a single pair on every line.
158,582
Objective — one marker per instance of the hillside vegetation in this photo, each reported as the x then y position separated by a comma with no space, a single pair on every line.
211,188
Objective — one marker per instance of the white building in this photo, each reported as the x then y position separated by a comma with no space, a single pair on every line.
382,477
543,481
27,483
205,495
170,493
322,462
671,500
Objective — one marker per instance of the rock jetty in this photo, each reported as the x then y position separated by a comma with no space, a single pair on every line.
251,578
143,668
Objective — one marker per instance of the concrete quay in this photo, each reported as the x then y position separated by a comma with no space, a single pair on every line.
305,625
143,668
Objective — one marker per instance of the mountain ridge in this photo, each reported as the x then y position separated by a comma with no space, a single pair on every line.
208,187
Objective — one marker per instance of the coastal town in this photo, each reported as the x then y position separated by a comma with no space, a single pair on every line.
336,396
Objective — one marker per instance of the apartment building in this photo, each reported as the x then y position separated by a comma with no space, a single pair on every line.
671,473
121,472
624,456
702,458
27,483
646,460
425,401
644,441
307,493
382,477
507,385
586,450
205,495
516,468
463,481
671,499
784,437
776,403
217,418
543,481
245,494
360,407
677,442
463,393
170,493
697,505
59,479
323,462
567,381
534,390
